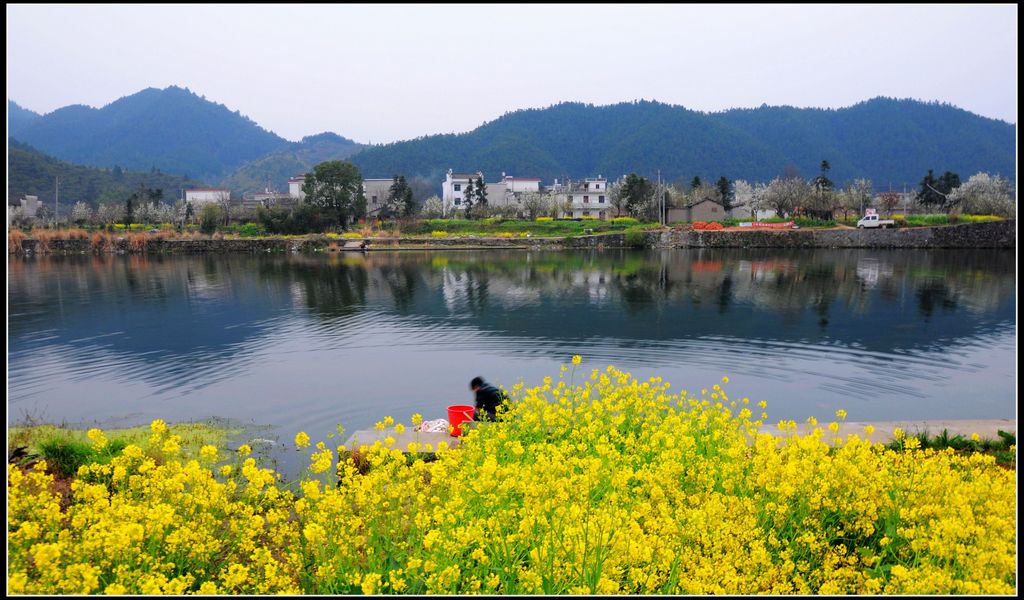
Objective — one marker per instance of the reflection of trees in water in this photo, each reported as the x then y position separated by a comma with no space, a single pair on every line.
933,294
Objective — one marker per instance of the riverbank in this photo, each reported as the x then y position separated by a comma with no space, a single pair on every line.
613,486
997,234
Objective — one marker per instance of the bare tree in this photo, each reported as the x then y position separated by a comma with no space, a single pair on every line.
535,204
223,200
888,201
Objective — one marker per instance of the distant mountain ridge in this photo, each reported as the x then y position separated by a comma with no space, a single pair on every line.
172,129
887,140
272,171
30,172
893,142
18,118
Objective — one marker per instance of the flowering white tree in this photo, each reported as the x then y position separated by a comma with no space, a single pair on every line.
433,208
783,195
108,214
984,194
81,213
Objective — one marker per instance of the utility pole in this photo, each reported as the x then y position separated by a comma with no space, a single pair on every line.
56,200
661,201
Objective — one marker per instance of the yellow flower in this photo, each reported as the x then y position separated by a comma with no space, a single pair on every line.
898,433
225,470
576,359
833,427
301,439
208,452
976,437
399,428
417,418
869,429
812,421
763,404
841,414
158,426
99,441
244,450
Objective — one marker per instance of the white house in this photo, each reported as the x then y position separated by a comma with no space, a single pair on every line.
199,196
588,198
295,187
453,188
519,185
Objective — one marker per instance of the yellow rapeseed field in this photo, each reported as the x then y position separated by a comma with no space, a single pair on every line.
612,485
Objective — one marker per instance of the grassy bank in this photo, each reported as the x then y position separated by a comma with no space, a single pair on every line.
609,485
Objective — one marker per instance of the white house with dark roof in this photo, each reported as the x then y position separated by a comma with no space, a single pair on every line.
453,188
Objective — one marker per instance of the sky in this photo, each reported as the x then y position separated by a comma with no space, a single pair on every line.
378,74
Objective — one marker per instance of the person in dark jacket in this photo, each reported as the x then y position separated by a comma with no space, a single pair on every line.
488,398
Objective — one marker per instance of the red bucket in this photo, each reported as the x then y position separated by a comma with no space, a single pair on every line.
457,413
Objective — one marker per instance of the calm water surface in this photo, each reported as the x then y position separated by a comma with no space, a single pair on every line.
308,342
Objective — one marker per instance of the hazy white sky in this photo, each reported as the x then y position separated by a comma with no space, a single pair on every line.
384,73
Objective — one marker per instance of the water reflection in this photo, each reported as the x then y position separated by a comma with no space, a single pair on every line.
271,331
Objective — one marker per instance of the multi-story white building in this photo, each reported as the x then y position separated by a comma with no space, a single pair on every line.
453,188
587,198
295,187
200,196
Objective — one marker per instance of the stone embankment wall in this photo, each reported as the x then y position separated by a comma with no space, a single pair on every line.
997,234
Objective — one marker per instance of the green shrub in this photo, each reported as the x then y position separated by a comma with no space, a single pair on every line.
66,455
636,237
251,230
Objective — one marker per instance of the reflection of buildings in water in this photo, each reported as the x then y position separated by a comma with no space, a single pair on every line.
870,270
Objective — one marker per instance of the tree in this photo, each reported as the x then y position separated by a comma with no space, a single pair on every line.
335,189
108,214
615,198
725,192
399,202
695,183
935,192
129,208
433,208
784,195
468,197
984,194
481,192
81,213
534,204
888,201
209,217
637,193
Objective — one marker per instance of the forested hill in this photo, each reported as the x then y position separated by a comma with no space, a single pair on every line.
886,140
274,170
173,130
18,118
31,172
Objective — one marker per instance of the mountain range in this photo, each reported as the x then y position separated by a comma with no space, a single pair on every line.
891,141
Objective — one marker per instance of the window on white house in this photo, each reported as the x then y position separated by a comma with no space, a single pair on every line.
586,199
457,187
600,199
458,202
586,213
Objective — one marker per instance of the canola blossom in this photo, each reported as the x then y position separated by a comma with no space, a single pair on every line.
610,486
